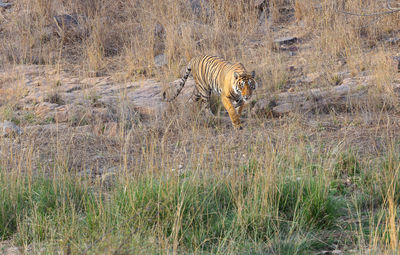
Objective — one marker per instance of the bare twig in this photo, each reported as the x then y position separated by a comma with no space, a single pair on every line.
388,6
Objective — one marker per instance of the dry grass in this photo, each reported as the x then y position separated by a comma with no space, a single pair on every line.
184,182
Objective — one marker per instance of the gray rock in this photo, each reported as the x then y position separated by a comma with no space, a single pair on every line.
5,5
86,173
285,40
344,75
201,9
352,93
8,129
392,40
108,179
160,60
95,101
260,3
72,88
159,45
311,77
66,20
263,10
69,26
43,109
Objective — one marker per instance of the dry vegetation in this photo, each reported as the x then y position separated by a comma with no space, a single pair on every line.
184,182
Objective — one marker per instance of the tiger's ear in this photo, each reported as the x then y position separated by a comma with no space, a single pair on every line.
236,75
253,74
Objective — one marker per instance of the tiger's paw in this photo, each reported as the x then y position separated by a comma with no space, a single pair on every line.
238,127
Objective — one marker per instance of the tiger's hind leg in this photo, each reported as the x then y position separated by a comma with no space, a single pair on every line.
203,101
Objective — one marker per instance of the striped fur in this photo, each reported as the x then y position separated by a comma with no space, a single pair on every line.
181,84
215,75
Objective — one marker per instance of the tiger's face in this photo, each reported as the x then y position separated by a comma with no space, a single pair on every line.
245,85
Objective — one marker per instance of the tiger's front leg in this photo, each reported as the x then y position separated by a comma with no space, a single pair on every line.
231,111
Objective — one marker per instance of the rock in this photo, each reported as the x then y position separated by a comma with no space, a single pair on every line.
33,98
344,75
160,60
92,101
109,129
46,128
67,26
201,9
5,5
180,170
7,248
80,115
260,3
263,10
72,87
12,251
95,171
392,40
42,110
159,44
351,94
337,252
86,173
285,40
61,115
66,20
285,47
9,129
147,97
311,77
108,178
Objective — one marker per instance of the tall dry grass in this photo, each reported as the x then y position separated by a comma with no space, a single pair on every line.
284,189
118,37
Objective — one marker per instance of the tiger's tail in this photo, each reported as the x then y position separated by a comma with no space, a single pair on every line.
181,84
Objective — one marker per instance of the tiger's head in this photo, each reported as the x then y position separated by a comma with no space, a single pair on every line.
244,84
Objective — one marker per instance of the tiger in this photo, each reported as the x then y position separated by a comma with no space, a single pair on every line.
229,80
